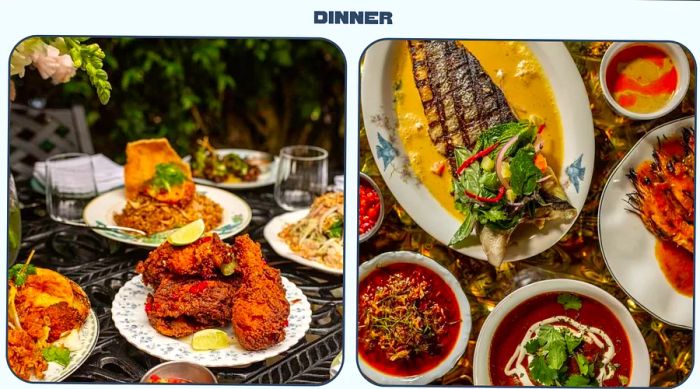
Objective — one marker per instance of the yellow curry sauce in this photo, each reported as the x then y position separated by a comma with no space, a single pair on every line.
515,69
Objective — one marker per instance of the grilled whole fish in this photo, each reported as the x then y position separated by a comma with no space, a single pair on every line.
459,99
460,102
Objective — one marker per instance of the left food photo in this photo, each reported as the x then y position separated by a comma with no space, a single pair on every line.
176,210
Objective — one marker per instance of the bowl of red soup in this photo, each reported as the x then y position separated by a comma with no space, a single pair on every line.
644,80
413,319
560,332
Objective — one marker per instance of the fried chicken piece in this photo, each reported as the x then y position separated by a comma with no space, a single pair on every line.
24,356
49,299
202,259
181,308
260,307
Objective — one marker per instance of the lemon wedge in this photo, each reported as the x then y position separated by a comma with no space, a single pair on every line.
210,339
187,233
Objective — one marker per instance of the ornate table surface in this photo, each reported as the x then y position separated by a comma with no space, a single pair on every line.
102,266
576,256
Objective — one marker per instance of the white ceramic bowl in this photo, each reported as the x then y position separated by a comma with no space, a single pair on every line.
674,51
460,346
640,354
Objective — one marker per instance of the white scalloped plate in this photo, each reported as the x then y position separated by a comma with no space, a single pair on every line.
88,334
129,315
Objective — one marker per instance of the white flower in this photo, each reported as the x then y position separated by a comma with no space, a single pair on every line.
65,70
50,63
22,55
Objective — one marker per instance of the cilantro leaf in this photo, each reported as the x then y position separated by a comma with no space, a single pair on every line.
569,301
532,346
577,380
58,354
548,335
168,175
19,273
523,172
553,346
555,354
572,341
584,367
542,373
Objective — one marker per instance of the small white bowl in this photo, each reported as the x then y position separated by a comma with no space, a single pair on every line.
680,61
640,354
460,347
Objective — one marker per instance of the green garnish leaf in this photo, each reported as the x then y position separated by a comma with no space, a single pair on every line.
168,175
542,373
336,229
624,380
571,341
556,354
553,346
19,273
490,182
577,380
58,354
502,132
585,367
532,346
569,301
523,172
465,229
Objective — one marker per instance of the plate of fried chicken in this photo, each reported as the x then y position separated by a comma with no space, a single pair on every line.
209,284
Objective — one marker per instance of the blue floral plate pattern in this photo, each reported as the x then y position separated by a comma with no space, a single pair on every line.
100,211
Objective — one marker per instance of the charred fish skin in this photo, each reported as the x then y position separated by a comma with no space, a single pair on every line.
459,99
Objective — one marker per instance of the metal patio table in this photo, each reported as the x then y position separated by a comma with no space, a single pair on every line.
101,266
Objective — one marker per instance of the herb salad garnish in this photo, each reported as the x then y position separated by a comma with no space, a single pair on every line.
497,181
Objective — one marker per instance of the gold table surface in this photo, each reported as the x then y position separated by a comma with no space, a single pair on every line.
576,256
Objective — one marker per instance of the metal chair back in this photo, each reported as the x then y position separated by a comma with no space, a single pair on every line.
36,134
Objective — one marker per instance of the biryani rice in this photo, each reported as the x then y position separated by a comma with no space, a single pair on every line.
151,216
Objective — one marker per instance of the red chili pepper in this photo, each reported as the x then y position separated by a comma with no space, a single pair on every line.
198,287
499,196
541,128
476,156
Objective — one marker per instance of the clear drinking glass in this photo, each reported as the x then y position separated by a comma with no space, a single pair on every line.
70,185
301,177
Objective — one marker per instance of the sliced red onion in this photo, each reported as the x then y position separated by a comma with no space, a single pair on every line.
545,178
499,160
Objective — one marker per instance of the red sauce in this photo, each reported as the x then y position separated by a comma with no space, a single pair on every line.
677,265
437,292
642,78
515,324
369,208
156,379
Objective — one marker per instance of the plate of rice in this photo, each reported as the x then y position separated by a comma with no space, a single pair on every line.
222,212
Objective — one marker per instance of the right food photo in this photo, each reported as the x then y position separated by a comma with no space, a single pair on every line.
526,213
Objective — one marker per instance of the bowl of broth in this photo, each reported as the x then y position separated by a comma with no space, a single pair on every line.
644,80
